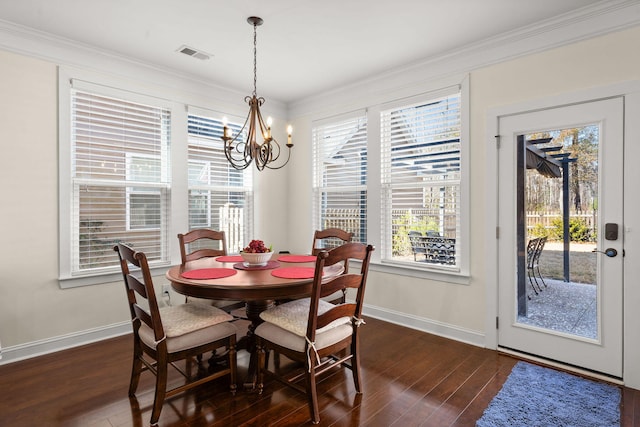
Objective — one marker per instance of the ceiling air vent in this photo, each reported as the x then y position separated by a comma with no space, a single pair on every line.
194,52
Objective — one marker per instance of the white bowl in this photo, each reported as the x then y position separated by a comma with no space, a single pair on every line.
256,259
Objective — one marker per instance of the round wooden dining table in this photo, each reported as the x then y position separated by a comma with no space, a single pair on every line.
257,287
251,284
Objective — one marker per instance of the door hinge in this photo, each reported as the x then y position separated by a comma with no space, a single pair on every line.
498,141
497,322
497,232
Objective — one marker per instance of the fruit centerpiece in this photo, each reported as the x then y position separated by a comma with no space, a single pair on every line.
256,253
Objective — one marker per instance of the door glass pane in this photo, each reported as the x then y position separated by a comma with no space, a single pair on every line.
557,232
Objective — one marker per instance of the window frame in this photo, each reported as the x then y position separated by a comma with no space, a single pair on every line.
213,187
459,275
136,190
68,80
180,105
394,178
205,194
319,190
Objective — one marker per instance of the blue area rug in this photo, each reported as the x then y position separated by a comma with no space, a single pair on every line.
536,396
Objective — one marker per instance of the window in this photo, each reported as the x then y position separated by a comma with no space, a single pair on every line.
199,201
220,197
120,180
421,182
143,204
340,175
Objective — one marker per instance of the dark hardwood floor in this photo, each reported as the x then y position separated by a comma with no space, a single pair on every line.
410,379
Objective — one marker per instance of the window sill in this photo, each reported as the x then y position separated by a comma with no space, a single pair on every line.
102,278
441,275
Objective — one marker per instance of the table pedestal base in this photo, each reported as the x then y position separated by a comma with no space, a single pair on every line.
253,310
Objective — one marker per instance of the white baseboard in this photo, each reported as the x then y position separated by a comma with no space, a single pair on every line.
63,342
425,325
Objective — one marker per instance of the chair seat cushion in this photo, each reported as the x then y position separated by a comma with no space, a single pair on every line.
184,318
221,304
191,339
284,338
189,325
294,315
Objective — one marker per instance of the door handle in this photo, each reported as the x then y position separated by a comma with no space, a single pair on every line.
610,252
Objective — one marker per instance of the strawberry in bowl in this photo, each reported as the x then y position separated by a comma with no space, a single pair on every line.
256,253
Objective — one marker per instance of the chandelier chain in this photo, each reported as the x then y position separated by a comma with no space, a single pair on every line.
255,60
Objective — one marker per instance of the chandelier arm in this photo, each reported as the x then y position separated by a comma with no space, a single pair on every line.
239,163
285,163
263,128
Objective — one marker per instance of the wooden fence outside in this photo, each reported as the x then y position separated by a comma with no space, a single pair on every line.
546,218
232,223
345,219
349,219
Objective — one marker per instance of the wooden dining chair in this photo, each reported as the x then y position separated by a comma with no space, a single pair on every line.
315,333
163,336
202,243
326,239
329,238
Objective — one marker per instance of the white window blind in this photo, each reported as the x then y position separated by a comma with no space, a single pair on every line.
340,175
220,197
120,179
421,177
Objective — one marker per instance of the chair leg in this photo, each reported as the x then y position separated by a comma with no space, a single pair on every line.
260,365
529,273
233,365
540,276
136,368
161,390
536,280
312,394
355,365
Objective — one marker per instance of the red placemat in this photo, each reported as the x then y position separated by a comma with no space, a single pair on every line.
208,273
268,266
294,272
229,258
297,258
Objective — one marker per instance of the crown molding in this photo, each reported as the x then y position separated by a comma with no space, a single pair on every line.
585,23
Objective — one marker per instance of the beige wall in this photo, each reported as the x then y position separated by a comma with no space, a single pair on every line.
32,305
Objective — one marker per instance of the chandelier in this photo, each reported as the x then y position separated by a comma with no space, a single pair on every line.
243,148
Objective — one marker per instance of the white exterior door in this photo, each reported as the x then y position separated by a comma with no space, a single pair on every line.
530,301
